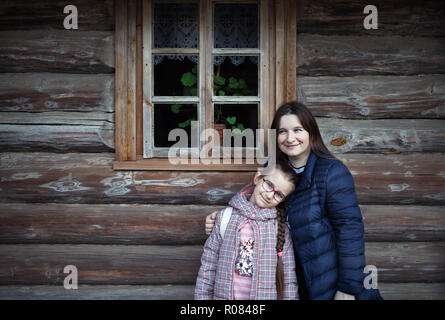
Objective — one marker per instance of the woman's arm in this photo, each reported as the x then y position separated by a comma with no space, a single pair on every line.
346,219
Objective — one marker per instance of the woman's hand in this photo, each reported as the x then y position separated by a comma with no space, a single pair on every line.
210,222
343,296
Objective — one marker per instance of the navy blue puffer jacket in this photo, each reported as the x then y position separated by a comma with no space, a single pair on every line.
327,231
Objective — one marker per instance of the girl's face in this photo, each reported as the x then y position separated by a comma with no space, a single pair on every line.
270,188
293,139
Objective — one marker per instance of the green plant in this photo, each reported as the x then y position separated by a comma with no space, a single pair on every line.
221,87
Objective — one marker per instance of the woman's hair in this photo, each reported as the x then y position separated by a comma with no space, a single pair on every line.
309,124
281,220
318,147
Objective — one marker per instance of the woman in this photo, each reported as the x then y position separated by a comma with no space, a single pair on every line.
322,213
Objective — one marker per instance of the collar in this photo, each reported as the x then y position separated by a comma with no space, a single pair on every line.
308,173
296,170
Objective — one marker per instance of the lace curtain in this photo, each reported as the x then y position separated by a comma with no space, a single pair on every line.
235,26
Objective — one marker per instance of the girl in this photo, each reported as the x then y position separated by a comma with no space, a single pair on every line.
253,259
323,213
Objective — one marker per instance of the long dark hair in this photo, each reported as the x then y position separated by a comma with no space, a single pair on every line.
309,124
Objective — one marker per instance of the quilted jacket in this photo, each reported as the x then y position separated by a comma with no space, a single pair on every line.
327,232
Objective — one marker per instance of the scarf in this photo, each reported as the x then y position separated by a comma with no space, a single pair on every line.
263,222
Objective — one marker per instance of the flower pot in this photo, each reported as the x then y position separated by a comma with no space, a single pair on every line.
219,127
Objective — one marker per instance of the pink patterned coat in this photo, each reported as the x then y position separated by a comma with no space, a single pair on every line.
218,259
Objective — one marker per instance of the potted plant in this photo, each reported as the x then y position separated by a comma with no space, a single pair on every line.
234,87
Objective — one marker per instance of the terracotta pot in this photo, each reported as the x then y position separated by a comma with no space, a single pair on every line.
219,127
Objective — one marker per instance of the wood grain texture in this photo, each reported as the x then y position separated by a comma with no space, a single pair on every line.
407,262
412,291
365,55
389,291
291,49
403,223
72,132
280,52
41,92
103,224
374,97
180,224
393,178
399,17
123,96
378,136
57,51
88,178
317,17
42,264
48,14
99,264
98,292
130,136
58,138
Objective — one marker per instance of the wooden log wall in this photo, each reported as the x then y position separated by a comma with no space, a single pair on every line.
378,96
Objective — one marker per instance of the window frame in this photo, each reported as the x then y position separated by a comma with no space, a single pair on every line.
277,71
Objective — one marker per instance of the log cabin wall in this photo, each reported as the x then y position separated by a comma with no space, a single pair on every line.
379,98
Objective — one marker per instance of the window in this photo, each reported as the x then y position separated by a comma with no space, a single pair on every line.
202,63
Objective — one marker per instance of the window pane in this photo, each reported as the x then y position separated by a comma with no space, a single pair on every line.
175,25
175,76
171,116
235,76
236,26
241,116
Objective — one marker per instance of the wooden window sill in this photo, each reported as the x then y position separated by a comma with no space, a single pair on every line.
163,164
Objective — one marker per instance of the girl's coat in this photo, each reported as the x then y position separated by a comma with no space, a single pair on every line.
215,277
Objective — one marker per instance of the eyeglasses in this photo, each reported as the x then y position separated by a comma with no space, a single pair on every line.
269,186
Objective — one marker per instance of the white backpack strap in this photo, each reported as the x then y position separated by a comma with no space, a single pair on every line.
225,220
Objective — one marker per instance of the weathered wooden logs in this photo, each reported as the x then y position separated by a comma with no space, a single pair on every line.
180,224
362,55
374,97
88,178
57,51
107,264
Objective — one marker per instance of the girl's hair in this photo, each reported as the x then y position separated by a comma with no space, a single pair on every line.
309,124
281,220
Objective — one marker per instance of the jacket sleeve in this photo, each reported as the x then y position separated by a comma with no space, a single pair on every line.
346,219
209,260
290,276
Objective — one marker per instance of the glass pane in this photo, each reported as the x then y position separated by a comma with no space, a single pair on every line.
236,26
175,25
171,116
175,76
235,76
241,116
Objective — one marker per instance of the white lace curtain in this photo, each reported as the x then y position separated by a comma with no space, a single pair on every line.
235,26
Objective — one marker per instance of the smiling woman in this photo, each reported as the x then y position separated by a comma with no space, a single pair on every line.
333,249
298,134
293,140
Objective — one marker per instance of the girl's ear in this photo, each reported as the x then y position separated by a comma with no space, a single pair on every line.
257,178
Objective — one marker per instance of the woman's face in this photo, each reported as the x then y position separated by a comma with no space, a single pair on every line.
293,139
